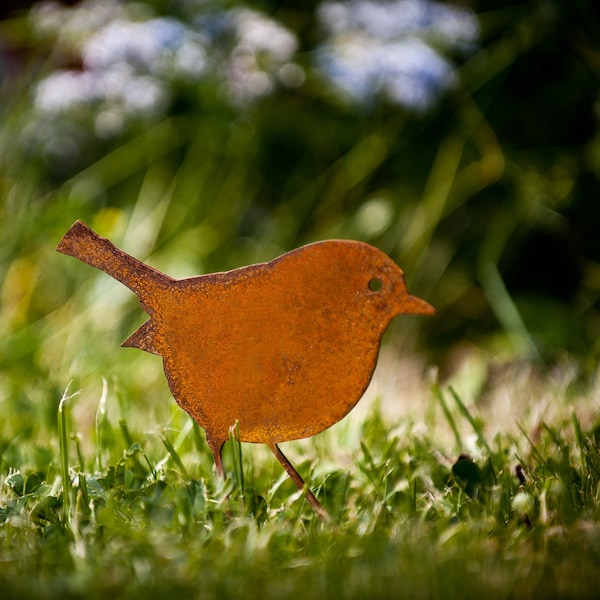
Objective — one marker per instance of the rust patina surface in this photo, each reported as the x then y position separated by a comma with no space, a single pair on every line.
284,348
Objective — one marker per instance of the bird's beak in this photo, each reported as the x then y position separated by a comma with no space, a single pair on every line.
415,306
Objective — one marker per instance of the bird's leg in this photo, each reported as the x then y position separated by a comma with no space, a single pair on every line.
295,476
216,447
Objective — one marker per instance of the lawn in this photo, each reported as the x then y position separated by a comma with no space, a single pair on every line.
437,498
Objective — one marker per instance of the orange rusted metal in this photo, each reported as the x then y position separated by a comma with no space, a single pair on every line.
284,348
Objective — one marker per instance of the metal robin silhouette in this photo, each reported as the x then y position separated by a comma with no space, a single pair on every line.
284,348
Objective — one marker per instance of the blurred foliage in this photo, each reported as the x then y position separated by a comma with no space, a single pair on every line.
202,135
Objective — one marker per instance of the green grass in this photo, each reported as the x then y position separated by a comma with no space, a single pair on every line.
412,514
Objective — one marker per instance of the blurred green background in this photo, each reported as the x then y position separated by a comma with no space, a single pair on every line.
460,138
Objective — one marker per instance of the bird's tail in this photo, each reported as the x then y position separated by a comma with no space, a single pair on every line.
86,245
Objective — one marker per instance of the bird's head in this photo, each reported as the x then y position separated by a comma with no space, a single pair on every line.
356,278
386,285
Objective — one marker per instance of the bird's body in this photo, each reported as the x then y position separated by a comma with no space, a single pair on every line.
284,348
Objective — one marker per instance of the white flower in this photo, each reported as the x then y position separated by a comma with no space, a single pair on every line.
263,51
388,47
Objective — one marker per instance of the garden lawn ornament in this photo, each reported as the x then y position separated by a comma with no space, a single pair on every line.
284,348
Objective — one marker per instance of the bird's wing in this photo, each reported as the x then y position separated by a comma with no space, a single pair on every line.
144,338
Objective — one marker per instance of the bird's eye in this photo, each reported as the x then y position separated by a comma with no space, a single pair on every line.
375,284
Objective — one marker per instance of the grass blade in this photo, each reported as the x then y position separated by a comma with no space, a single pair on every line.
536,453
175,456
448,415
236,447
63,437
476,427
100,424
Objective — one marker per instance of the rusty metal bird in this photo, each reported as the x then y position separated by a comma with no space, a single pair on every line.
284,348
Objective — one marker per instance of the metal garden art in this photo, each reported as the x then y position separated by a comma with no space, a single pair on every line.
285,349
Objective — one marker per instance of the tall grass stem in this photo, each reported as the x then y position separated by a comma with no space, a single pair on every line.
63,437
